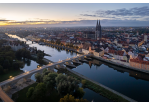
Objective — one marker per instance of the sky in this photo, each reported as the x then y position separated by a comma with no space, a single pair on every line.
74,14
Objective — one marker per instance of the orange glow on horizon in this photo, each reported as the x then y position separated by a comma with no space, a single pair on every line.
33,22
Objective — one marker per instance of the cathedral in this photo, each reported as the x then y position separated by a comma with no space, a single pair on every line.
98,31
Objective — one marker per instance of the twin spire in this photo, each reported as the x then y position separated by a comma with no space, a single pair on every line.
98,25
97,22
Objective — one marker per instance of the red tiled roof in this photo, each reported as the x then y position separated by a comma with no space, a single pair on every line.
116,52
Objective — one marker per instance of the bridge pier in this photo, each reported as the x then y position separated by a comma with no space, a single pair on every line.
82,59
60,66
76,61
51,68
69,64
88,58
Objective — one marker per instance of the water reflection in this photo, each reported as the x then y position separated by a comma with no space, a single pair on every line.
128,82
132,73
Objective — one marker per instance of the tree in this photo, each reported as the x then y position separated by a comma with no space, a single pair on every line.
23,53
38,77
7,48
30,92
39,92
1,69
9,58
83,82
10,54
18,65
79,92
40,56
60,78
50,80
70,98
6,64
18,54
1,60
81,100
45,72
66,84
27,54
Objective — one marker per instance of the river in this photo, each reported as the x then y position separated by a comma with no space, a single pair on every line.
128,82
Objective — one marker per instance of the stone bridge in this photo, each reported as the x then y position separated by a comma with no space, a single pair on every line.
27,75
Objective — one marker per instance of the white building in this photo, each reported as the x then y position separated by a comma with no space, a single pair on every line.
145,38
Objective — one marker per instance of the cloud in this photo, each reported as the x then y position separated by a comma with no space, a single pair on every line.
3,20
88,15
136,12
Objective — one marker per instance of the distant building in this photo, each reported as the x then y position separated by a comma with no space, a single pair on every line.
89,34
137,33
98,31
145,38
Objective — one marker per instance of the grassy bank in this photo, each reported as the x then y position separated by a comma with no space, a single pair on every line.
98,89
13,73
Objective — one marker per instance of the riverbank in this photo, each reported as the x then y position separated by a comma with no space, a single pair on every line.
99,88
127,66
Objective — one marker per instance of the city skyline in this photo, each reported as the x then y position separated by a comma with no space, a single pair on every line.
74,14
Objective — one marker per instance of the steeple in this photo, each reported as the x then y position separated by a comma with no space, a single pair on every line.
97,25
99,22
98,31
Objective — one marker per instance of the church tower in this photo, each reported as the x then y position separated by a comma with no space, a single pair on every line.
98,31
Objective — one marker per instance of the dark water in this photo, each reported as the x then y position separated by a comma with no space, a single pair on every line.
128,82
56,53
30,65
122,80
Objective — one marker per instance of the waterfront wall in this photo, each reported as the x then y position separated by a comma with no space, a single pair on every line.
71,49
121,65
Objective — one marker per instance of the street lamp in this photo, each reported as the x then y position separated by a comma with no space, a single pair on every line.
10,77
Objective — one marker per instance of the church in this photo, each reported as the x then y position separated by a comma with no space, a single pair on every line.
98,31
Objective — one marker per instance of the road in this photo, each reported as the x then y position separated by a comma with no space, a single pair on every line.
4,96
